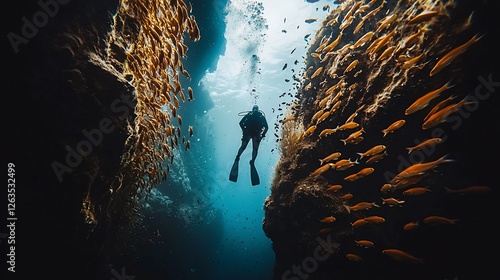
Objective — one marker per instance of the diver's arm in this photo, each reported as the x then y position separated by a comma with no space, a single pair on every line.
264,122
243,121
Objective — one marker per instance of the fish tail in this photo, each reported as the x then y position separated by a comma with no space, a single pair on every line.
343,140
448,85
321,162
376,205
448,190
445,159
409,150
348,209
361,155
476,38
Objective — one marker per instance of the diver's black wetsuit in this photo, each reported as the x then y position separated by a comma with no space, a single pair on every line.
254,126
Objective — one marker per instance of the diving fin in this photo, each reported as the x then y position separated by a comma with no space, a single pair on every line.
254,175
233,176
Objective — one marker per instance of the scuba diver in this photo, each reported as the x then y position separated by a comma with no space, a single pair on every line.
254,126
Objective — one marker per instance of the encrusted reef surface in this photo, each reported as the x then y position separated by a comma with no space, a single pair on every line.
388,166
91,109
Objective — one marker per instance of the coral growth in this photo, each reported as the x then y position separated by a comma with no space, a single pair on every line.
370,61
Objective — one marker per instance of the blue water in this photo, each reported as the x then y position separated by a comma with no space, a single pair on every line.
215,224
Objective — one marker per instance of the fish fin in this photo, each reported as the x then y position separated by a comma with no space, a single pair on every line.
233,175
254,175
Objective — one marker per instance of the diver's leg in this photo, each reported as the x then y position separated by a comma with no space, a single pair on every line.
255,147
244,143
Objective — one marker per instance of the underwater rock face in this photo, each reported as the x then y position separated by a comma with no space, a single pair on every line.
377,176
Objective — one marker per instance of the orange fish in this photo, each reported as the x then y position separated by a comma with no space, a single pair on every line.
423,16
385,22
331,157
359,223
410,62
353,136
318,114
402,256
439,106
419,168
365,172
411,226
354,257
393,127
451,55
309,131
413,38
191,95
380,43
341,162
351,66
367,37
323,117
352,177
386,188
333,44
329,219
345,165
423,101
376,158
334,188
355,140
439,220
416,191
429,143
346,196
362,206
348,125
469,190
325,132
441,115
364,243
321,169
373,151
387,53
317,72
374,219
392,201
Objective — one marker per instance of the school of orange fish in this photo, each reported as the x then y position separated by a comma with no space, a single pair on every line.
396,40
152,66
